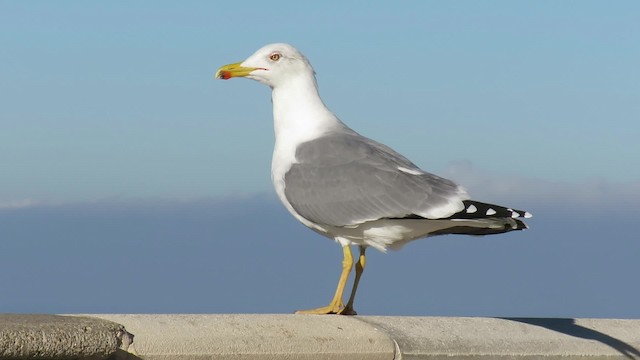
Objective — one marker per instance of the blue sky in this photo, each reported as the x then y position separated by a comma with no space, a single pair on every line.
110,108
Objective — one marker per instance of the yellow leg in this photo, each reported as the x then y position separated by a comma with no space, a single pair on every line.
336,304
362,261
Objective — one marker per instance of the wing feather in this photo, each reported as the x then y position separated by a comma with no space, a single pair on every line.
344,179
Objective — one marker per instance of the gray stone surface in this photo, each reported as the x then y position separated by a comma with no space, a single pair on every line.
254,337
57,337
378,337
170,337
495,338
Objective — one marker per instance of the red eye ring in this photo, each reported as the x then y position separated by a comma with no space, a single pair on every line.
275,57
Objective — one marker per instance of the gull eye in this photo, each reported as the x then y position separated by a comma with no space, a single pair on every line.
275,56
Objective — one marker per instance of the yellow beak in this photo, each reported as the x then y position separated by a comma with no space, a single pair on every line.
233,70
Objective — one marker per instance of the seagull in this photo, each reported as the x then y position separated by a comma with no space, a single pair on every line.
348,187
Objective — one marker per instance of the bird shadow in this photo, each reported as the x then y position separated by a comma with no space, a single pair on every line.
569,327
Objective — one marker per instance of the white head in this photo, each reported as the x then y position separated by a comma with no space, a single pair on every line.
273,65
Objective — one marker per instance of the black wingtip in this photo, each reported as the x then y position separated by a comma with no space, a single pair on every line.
479,210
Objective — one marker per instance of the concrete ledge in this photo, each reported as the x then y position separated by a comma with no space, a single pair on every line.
57,337
314,337
377,337
254,337
509,338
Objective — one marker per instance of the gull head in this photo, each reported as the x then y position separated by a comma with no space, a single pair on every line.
272,65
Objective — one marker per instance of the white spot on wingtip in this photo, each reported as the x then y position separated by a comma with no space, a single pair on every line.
410,171
514,214
528,215
490,211
471,209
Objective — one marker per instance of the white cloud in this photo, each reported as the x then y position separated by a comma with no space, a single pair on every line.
17,204
525,193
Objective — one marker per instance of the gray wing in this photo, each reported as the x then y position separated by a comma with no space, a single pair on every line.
344,179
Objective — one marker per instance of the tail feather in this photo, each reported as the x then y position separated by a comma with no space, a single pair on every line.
478,218
483,227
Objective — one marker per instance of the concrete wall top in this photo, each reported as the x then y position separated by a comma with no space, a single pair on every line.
238,337
377,337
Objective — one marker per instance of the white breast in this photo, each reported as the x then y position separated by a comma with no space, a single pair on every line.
299,116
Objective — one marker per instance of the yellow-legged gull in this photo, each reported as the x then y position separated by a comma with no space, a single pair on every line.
348,187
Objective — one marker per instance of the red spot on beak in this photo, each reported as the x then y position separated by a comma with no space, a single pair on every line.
226,75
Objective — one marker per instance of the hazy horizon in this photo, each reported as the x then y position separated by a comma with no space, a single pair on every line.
248,255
